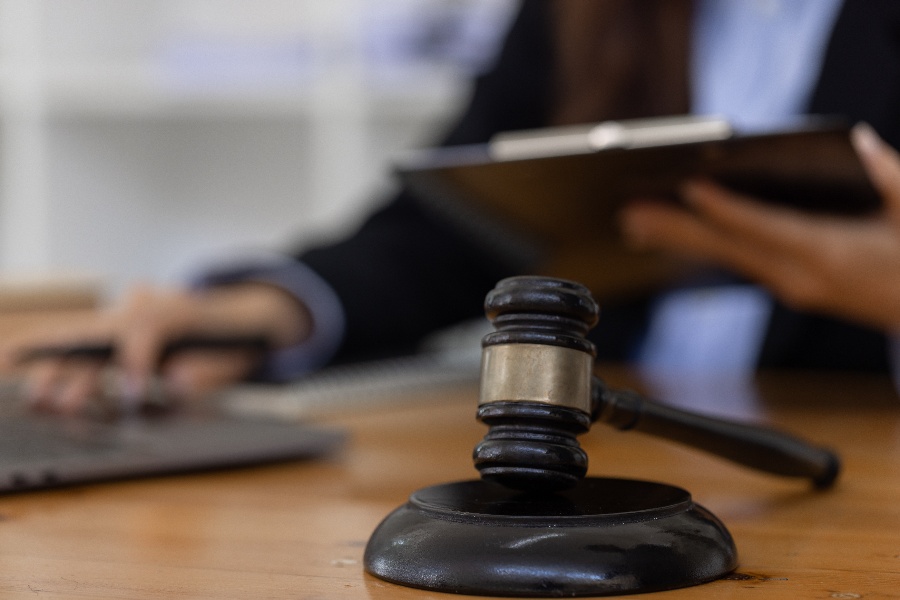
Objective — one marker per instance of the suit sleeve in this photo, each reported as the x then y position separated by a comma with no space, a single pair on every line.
407,271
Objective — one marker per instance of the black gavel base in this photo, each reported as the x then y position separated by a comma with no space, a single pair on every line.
605,536
510,533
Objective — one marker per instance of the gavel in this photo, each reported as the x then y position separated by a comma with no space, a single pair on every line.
539,392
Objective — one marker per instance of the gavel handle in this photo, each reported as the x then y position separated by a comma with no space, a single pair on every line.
750,445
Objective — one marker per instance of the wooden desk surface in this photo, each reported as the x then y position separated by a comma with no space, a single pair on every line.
299,530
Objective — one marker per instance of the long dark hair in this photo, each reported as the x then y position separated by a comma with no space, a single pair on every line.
620,59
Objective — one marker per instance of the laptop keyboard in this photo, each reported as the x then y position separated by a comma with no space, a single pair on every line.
48,439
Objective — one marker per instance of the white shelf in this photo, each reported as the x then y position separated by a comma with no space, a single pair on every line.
122,90
139,136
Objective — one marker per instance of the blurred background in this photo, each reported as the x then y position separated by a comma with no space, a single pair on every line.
141,138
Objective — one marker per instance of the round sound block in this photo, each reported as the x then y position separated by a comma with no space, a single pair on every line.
605,536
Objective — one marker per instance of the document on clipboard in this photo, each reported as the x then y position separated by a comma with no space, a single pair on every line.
555,193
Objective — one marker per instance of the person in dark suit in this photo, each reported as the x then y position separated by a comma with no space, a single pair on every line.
409,271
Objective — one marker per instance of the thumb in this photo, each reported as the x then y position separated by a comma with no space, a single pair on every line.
882,164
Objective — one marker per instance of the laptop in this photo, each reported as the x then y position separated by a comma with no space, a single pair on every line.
241,426
39,451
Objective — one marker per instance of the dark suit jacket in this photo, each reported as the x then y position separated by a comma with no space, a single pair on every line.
408,271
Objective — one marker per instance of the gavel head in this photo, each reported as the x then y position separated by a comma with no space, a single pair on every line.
536,383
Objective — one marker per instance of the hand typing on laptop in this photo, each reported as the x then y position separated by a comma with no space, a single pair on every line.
193,342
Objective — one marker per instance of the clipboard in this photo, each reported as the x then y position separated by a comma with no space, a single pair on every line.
550,197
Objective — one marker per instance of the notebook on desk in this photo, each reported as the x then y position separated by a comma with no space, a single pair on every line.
42,451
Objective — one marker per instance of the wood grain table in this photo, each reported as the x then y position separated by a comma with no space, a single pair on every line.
298,530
